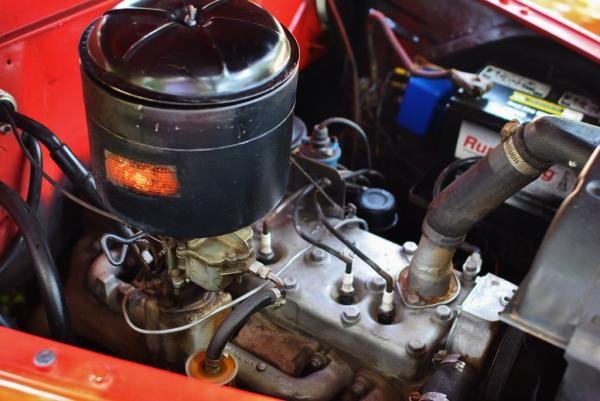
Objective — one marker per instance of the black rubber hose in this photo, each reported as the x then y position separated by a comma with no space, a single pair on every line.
451,169
44,267
541,143
9,273
389,281
526,151
296,222
454,380
233,323
71,166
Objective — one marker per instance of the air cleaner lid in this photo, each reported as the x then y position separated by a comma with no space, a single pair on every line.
188,51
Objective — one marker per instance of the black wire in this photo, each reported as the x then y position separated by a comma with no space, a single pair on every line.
452,169
364,171
44,267
356,129
389,281
9,259
296,223
73,169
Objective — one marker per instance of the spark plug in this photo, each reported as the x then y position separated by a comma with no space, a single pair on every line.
346,294
385,312
266,254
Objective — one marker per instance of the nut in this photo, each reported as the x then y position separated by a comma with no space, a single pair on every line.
318,255
415,347
443,312
409,248
350,315
290,282
376,284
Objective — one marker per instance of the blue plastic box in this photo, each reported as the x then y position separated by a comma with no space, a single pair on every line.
423,103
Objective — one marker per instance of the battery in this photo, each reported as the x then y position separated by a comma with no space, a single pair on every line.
471,127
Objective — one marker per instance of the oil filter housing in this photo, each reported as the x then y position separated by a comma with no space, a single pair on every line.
189,108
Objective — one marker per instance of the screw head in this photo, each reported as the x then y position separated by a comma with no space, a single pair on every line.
44,359
261,367
443,312
409,247
290,282
505,299
415,346
318,255
350,314
376,284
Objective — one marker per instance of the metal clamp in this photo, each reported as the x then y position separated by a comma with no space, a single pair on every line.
126,242
279,298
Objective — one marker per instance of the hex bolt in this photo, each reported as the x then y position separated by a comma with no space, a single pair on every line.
350,314
290,282
415,347
44,359
376,284
460,366
443,312
318,255
361,386
261,367
409,248
317,361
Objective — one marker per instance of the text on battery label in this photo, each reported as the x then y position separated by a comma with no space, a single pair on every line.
580,103
545,106
515,81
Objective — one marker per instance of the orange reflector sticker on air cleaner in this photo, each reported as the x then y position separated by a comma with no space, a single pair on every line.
140,177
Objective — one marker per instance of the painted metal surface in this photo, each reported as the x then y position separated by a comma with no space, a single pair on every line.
64,373
39,66
551,24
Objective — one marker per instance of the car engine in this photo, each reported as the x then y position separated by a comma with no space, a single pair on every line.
402,209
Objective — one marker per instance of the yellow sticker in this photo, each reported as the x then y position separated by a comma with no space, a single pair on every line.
537,103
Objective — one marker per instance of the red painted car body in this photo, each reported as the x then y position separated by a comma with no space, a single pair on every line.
39,67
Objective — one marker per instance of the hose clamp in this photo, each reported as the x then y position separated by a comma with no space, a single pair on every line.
517,161
279,298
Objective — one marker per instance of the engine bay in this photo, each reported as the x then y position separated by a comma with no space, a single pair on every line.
382,200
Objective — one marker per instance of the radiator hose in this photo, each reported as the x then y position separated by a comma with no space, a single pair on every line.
526,151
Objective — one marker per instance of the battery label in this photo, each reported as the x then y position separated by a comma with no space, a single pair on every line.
555,183
515,81
545,106
579,103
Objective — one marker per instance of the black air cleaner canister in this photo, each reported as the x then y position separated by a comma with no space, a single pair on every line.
189,107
